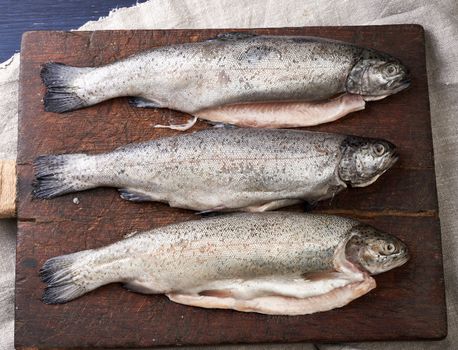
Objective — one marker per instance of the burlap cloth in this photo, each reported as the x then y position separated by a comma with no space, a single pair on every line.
440,19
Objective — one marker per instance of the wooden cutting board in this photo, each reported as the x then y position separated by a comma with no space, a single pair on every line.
407,304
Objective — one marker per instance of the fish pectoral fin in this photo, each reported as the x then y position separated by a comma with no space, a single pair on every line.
309,206
280,304
374,98
130,234
139,287
218,293
134,196
212,212
180,127
219,125
208,302
271,205
141,102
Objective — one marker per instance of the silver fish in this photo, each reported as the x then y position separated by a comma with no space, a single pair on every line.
224,169
272,263
223,79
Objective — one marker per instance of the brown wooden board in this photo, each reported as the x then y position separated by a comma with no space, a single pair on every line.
407,304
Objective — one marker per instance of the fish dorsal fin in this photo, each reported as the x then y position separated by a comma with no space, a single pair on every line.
234,36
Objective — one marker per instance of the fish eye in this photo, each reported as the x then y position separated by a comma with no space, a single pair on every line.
379,149
390,247
391,69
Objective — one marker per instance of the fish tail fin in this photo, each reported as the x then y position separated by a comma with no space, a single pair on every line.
64,278
59,174
61,95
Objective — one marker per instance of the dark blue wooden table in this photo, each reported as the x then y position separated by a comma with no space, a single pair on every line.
18,16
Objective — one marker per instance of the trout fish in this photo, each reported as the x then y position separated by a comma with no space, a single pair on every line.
223,169
237,78
272,263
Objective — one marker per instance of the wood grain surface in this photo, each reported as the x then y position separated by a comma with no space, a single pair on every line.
407,304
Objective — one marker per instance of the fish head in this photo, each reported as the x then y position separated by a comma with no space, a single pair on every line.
376,75
364,160
375,251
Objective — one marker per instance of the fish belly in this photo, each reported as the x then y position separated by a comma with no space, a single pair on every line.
280,295
284,114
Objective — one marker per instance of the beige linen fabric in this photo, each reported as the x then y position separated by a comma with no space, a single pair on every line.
441,24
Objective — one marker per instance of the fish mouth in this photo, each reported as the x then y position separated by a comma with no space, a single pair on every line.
400,85
403,256
403,84
393,264
406,81
393,159
401,261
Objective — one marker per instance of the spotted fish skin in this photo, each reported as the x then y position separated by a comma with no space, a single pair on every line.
217,169
192,253
233,68
227,246
275,263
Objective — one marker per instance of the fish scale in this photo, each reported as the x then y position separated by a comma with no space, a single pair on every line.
236,69
274,263
222,169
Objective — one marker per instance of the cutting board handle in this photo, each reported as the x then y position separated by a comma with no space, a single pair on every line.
7,189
